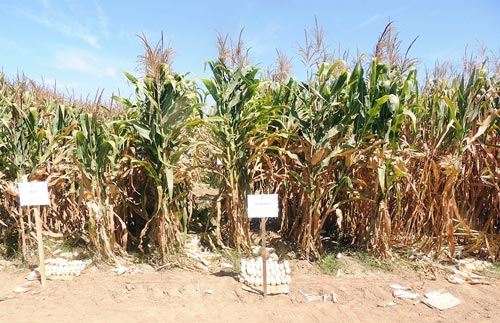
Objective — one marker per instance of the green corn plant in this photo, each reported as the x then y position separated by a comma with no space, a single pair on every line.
241,132
98,155
165,107
319,151
23,149
392,98
32,132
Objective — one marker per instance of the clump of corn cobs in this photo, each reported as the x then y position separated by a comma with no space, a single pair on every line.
63,267
277,273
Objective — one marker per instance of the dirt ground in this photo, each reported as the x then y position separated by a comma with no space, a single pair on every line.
175,295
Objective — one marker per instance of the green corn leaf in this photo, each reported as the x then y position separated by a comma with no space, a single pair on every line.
142,130
131,78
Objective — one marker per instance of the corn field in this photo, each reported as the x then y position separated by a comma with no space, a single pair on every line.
361,152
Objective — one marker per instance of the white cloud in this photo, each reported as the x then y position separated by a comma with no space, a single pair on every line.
91,40
111,72
86,62
67,18
370,20
72,30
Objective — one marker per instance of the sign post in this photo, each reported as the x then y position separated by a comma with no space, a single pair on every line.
263,206
264,255
36,194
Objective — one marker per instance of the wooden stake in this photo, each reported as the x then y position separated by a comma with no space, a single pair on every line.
39,237
217,227
23,234
264,256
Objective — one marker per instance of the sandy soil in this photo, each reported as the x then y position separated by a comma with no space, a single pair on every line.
99,295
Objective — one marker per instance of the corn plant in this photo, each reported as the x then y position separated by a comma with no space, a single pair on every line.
35,143
165,107
457,149
324,150
98,155
241,134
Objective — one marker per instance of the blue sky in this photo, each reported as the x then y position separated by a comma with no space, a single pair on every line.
88,44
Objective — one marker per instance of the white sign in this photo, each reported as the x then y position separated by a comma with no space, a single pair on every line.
33,193
263,206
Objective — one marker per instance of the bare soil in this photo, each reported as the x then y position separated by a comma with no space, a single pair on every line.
175,295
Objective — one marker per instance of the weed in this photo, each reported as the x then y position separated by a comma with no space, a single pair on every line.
330,264
493,271
375,263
